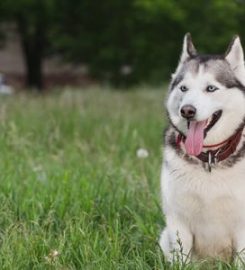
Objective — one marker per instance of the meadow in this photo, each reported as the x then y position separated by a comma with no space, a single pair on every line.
74,194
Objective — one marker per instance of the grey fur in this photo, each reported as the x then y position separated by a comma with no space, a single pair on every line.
191,50
215,64
231,45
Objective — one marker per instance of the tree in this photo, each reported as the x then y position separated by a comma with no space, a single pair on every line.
32,19
144,35
107,35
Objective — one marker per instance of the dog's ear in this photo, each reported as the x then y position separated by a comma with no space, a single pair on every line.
188,49
234,55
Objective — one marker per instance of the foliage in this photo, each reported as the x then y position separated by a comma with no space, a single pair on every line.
144,36
110,34
32,20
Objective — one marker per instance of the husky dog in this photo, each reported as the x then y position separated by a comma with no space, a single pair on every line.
203,174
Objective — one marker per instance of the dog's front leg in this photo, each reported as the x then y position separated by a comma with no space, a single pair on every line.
176,241
240,250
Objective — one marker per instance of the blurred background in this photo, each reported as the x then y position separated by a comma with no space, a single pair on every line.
122,43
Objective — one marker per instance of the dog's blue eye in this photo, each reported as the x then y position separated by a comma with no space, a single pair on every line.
211,88
183,88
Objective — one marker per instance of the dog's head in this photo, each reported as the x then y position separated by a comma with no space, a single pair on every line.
206,99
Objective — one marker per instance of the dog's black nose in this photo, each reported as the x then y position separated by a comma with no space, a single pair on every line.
188,112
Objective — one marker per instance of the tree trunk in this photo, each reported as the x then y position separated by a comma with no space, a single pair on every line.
33,62
32,42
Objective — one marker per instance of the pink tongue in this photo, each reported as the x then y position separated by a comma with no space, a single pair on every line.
194,138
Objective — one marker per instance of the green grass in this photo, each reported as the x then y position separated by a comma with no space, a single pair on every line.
73,193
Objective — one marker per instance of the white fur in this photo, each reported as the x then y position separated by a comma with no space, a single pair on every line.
235,58
231,103
204,211
206,206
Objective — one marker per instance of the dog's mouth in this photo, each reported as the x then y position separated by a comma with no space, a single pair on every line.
197,131
210,122
213,120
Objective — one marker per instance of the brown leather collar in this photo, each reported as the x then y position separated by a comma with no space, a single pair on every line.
213,156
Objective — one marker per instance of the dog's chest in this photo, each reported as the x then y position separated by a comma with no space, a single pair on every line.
198,195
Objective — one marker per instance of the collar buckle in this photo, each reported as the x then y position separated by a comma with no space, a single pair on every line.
210,161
